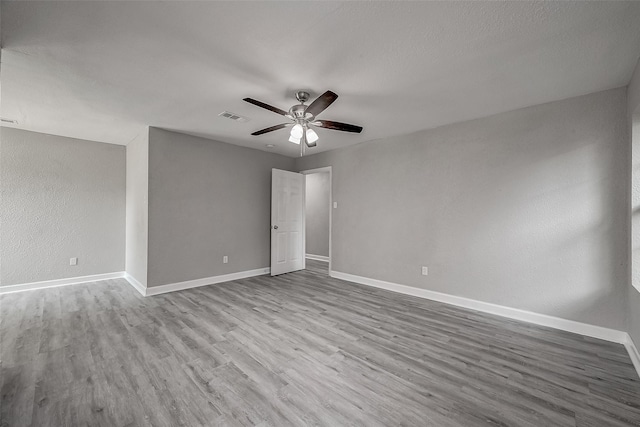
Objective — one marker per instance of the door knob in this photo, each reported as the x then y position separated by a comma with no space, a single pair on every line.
275,227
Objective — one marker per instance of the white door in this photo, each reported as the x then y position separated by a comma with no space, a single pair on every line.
287,221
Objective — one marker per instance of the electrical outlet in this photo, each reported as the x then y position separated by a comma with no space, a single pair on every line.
225,259
335,205
73,261
425,271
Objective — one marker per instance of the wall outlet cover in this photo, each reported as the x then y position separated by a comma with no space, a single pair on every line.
425,271
73,261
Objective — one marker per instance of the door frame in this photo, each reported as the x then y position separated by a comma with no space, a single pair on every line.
321,170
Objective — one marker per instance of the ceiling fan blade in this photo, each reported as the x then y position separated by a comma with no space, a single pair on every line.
271,129
266,106
328,124
321,103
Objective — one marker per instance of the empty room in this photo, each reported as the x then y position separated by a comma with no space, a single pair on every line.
350,213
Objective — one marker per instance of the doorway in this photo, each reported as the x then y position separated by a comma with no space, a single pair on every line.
318,219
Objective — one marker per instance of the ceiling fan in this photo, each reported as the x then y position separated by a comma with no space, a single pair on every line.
303,117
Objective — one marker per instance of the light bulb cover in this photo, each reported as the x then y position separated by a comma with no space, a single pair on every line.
312,136
297,131
294,139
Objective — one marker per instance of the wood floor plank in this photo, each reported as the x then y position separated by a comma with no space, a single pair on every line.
296,349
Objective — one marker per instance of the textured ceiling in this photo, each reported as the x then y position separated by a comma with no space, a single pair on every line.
104,70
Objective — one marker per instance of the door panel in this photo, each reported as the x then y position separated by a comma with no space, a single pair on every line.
287,221
294,239
281,246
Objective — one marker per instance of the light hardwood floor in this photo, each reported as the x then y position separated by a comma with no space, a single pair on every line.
298,349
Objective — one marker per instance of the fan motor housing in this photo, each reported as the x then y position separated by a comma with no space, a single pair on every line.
298,111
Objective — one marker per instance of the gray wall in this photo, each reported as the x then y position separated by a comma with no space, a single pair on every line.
317,213
633,96
207,199
137,231
524,209
61,198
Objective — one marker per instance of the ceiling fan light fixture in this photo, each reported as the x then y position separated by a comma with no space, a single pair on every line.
297,131
294,139
312,136
302,116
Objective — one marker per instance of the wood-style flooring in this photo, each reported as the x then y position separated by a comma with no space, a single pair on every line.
298,349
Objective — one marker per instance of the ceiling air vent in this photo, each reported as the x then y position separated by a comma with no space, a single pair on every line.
13,122
233,116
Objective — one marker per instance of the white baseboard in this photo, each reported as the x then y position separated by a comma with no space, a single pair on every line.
60,282
606,334
317,257
634,354
593,331
172,287
137,285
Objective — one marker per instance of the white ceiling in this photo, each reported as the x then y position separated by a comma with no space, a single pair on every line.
103,70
